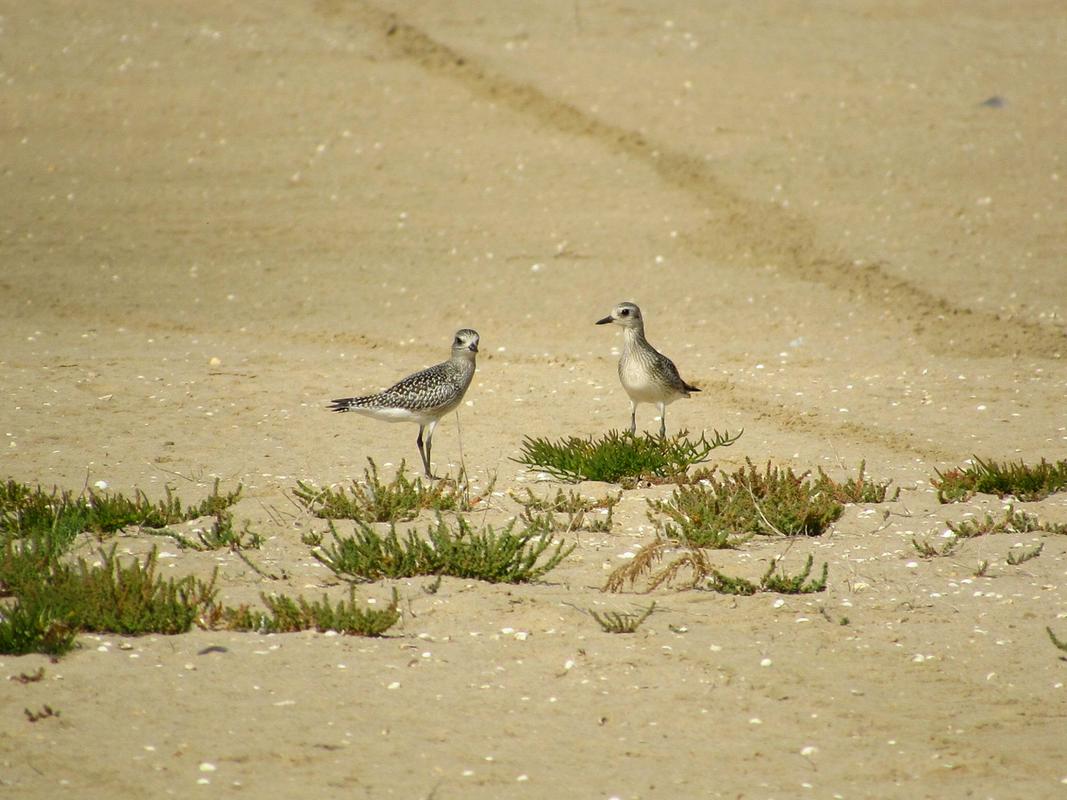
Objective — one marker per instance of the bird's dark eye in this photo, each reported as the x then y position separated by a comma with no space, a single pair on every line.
625,312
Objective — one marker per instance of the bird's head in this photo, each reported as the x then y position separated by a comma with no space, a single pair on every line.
626,314
465,342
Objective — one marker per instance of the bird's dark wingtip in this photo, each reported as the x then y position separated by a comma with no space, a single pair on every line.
689,388
338,405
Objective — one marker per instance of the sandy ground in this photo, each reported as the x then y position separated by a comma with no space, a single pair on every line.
845,222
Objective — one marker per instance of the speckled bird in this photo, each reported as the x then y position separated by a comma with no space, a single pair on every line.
425,396
646,374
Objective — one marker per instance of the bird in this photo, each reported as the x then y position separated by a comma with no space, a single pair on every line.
424,396
646,374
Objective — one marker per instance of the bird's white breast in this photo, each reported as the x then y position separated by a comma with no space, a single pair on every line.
388,414
639,383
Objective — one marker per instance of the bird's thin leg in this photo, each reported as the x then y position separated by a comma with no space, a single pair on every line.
662,420
633,417
424,453
429,444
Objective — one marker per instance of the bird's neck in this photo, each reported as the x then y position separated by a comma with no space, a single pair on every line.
634,335
464,359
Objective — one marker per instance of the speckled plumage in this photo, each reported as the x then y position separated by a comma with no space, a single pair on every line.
433,391
424,396
646,374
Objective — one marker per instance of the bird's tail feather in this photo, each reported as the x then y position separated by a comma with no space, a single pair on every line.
346,403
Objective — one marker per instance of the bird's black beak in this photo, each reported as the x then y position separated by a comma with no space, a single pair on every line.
604,321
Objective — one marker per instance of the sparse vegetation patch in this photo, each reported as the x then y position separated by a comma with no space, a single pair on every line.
221,535
927,550
622,458
121,598
1017,557
860,489
1024,482
1012,522
621,621
772,581
52,599
722,509
495,556
695,562
25,511
568,512
399,500
52,606
285,615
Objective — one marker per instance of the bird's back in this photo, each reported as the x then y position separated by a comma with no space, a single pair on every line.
434,391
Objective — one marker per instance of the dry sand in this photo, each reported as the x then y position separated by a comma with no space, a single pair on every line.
218,216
